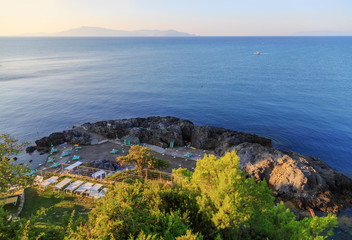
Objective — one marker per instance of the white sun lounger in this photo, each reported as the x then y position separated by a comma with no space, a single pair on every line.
93,194
62,184
94,191
96,194
100,174
96,187
84,187
73,186
72,166
49,181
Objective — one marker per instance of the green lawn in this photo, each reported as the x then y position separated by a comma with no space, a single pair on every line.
58,204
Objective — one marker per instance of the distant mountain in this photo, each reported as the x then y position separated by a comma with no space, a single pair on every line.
104,32
323,33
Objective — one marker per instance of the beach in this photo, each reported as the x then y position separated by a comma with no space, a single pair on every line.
101,151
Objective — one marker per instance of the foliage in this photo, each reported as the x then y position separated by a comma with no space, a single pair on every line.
218,201
121,175
11,174
157,163
13,228
142,157
9,146
241,208
183,173
8,227
134,211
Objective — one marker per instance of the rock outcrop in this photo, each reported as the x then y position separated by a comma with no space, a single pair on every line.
30,149
70,136
105,164
306,181
161,131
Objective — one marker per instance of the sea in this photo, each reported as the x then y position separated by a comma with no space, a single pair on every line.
298,91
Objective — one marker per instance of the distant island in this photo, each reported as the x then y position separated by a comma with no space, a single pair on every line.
105,32
88,31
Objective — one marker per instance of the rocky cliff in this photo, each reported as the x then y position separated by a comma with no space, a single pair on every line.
306,181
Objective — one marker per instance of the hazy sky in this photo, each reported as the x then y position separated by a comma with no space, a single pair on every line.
201,17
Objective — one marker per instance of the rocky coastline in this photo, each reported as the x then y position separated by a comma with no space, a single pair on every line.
306,181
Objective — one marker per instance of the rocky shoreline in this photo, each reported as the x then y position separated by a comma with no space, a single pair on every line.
306,181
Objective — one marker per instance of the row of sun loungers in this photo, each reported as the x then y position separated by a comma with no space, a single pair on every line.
91,189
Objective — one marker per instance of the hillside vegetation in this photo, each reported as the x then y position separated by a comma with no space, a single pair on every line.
216,201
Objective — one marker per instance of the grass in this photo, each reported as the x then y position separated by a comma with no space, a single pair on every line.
57,203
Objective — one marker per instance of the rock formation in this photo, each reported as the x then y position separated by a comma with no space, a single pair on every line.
71,136
306,181
161,131
105,164
30,149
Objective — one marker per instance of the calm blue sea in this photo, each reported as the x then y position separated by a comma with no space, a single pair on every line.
297,92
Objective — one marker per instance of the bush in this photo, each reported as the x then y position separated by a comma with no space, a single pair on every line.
217,201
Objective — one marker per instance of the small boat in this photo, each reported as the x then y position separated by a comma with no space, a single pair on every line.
256,53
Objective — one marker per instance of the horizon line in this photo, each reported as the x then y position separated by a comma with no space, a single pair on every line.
194,36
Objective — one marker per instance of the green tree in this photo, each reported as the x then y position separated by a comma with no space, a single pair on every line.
241,208
142,157
11,174
134,211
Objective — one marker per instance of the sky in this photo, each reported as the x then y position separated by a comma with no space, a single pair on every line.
200,17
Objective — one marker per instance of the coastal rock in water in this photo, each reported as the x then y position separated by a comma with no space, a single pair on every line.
161,131
30,149
306,181
71,136
44,144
